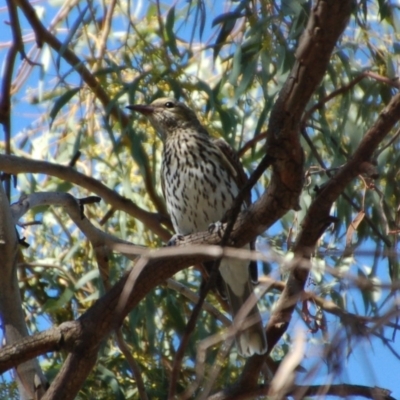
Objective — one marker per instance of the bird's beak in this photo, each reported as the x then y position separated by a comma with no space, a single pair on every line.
143,109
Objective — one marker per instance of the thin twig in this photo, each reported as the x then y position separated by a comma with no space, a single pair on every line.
251,143
105,32
136,372
349,200
6,87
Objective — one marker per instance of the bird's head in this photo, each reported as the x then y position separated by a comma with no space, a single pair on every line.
167,115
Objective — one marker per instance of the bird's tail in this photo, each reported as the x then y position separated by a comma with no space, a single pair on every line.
250,338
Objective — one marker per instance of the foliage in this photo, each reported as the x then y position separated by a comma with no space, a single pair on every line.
229,65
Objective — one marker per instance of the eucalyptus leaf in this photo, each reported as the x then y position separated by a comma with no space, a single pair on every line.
61,102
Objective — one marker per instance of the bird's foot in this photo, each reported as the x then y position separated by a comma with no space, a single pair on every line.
175,240
216,227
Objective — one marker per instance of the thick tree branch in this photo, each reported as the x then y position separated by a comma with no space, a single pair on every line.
317,218
31,381
81,361
342,390
54,339
15,165
326,23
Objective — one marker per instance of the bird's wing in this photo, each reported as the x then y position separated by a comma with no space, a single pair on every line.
162,185
233,164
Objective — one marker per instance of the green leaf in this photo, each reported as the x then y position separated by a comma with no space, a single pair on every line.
261,120
236,66
226,120
55,304
150,322
384,9
169,30
248,76
60,103
227,17
71,32
88,277
108,376
175,313
390,67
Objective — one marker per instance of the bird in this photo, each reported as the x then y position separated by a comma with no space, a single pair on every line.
200,178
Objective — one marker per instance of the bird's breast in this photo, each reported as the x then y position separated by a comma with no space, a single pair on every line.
198,188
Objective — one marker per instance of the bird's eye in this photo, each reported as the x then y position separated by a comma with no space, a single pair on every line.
169,104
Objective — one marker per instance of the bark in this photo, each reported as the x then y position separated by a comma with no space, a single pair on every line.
29,376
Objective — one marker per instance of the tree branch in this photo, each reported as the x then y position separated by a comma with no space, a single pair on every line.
30,379
15,165
44,36
326,23
317,218
342,390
